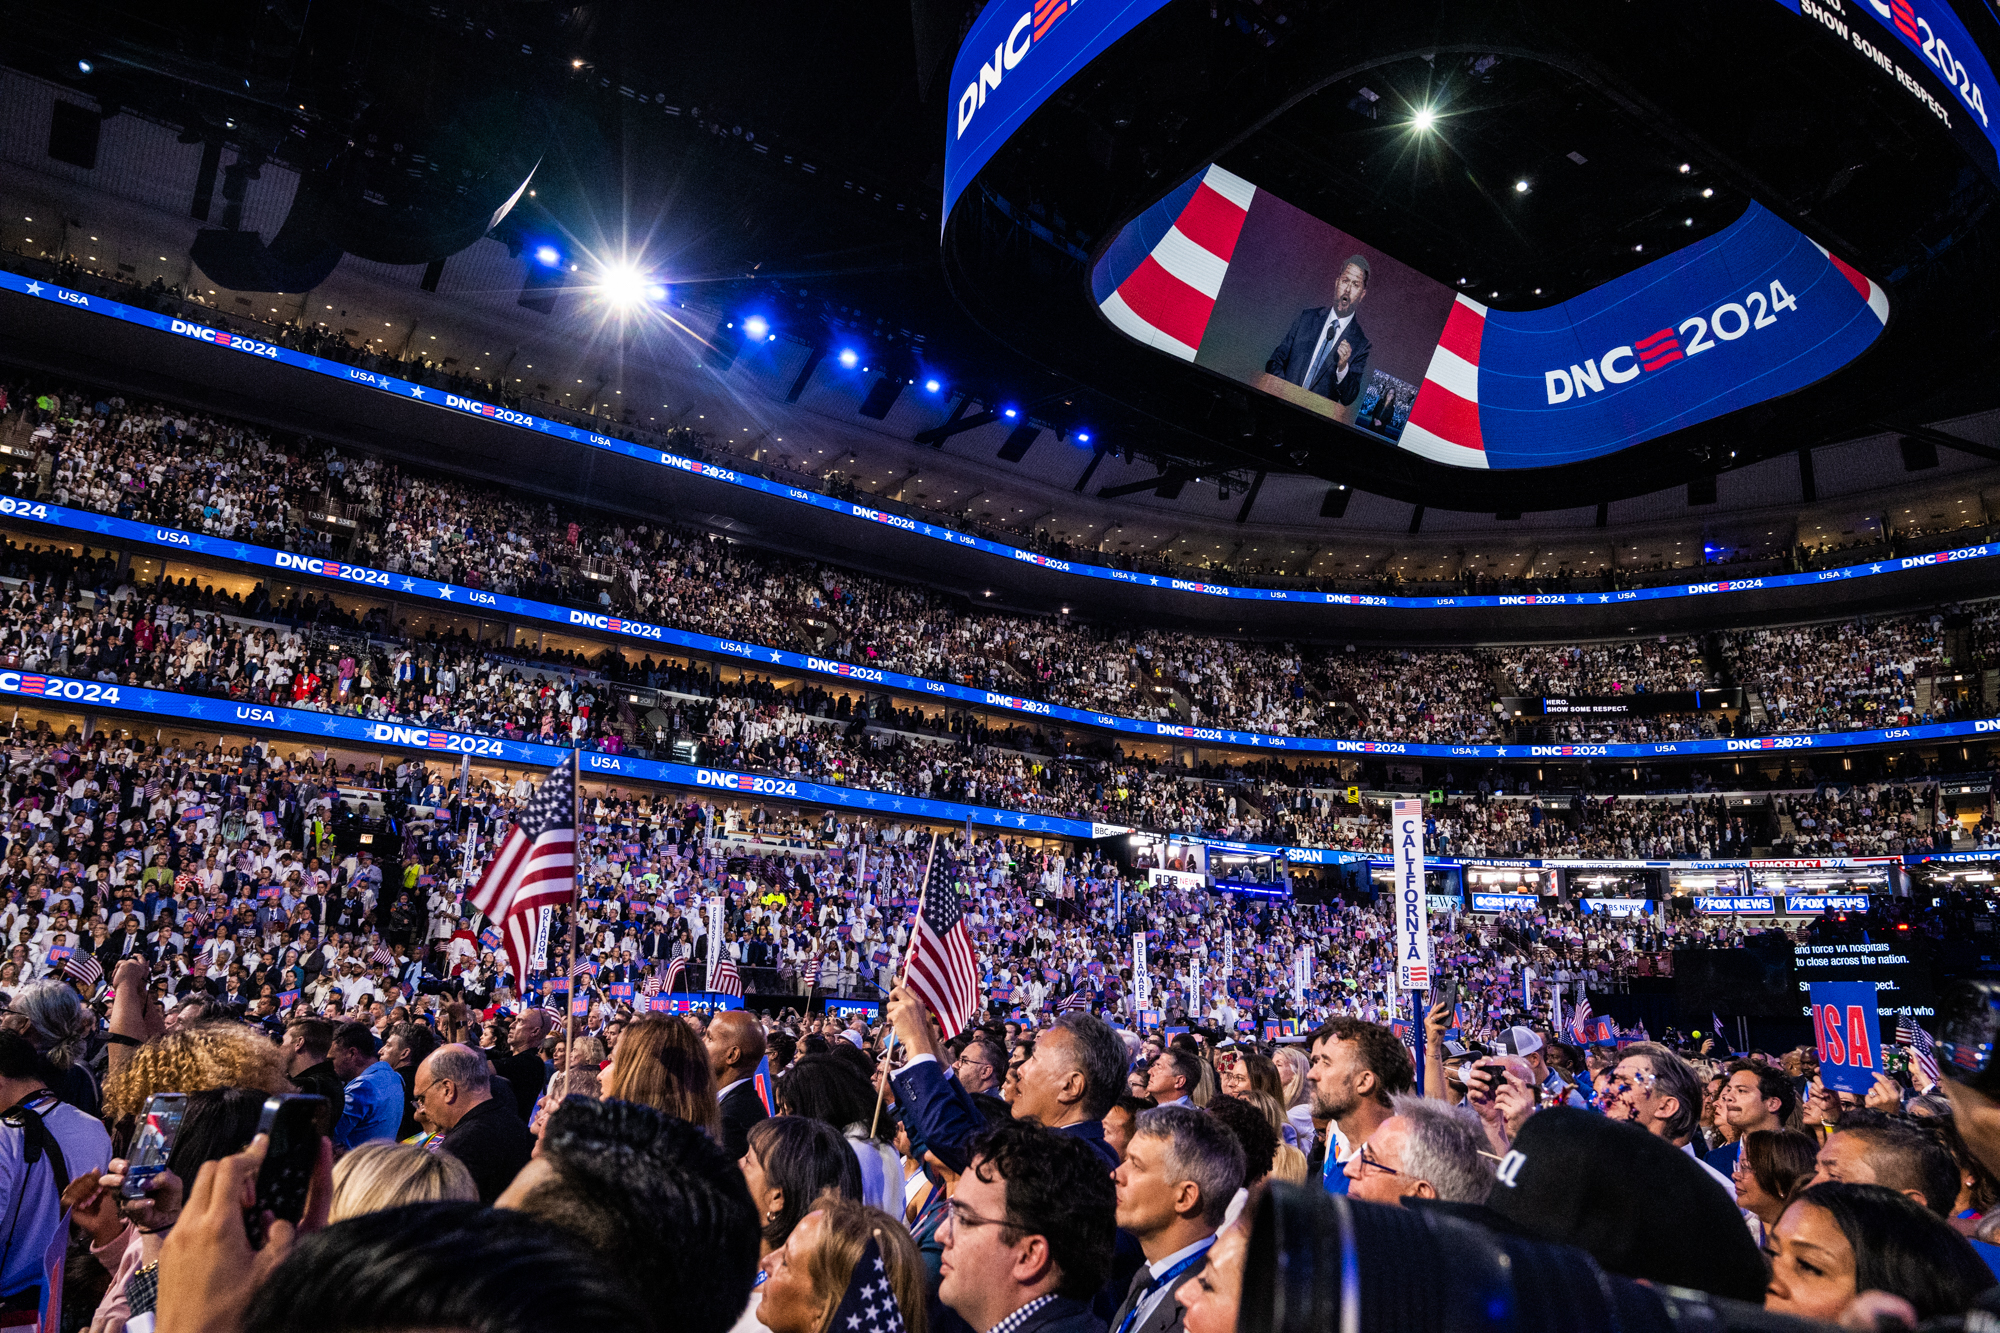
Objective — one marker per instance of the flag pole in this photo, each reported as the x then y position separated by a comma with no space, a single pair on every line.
889,1043
575,895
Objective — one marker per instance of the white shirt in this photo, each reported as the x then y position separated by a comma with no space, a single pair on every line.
85,1146
1159,1267
1330,335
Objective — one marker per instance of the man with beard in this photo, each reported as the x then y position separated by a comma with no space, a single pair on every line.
1325,352
1661,1093
1357,1067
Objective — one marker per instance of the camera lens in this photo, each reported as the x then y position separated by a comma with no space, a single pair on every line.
1323,1263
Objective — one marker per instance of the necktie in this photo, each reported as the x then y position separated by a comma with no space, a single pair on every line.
1143,1283
1325,350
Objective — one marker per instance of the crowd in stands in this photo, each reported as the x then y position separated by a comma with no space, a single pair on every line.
185,469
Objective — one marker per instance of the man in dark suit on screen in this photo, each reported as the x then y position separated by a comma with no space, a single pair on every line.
1326,352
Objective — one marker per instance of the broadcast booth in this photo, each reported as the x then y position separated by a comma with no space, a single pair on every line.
1236,868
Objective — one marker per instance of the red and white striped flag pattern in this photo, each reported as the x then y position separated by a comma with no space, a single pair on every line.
942,970
725,981
534,868
1923,1052
1167,299
83,968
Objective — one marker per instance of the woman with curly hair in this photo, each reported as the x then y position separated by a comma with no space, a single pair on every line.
193,1059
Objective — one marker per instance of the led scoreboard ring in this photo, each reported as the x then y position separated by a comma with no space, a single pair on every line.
1587,251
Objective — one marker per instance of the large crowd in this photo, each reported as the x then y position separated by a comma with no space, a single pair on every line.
186,469
207,924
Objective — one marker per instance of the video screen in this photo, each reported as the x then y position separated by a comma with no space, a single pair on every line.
1233,279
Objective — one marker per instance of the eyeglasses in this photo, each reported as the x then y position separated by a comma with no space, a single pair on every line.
959,1215
1370,1162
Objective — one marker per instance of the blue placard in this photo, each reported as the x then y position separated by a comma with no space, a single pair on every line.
1847,1034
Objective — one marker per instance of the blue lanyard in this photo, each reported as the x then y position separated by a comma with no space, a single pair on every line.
1165,1282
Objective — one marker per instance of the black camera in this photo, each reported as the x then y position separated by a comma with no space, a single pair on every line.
1324,1263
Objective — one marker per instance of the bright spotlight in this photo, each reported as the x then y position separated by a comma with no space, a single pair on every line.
656,292
1423,120
83,67
547,256
931,386
1083,437
1010,414
848,358
1520,187
757,327
622,285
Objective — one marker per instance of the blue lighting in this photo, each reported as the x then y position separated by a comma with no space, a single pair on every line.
83,67
1009,413
547,256
656,292
848,358
931,386
757,327
1083,437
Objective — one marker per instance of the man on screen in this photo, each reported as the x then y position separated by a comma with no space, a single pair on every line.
1326,352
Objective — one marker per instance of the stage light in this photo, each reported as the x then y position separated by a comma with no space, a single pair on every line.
757,327
656,292
1010,414
622,285
1520,187
1708,194
83,67
547,256
1423,120
848,358
932,386
1083,437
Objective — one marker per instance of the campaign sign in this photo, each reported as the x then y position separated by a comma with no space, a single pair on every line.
1847,1034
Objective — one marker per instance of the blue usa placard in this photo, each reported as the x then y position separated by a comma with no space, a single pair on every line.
1847,1034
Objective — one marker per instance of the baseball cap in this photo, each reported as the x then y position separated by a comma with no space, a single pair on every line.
1516,1041
1456,1050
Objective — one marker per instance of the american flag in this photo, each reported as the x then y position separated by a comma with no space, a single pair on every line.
725,981
1579,1022
941,969
652,985
812,973
1075,1001
1923,1051
674,971
870,1303
534,868
382,955
84,969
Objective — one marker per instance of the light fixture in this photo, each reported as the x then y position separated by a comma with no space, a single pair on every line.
756,326
1010,413
622,285
1423,120
1686,168
931,386
848,358
547,256
1708,194
83,67
1520,187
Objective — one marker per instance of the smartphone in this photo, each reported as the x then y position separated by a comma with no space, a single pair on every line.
159,1126
295,1123
1447,995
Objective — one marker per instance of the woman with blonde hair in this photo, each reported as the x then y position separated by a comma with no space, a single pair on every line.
194,1059
807,1276
582,1081
661,1063
384,1174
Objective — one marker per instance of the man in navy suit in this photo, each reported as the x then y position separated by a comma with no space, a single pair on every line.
1325,352
1028,1236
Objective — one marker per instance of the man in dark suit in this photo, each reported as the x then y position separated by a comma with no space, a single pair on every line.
735,1049
1181,1169
1072,1079
127,942
656,946
522,1065
1325,352
1028,1239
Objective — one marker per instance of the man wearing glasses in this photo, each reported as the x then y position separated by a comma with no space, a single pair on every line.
454,1088
978,1067
1028,1235
1428,1149
1657,1090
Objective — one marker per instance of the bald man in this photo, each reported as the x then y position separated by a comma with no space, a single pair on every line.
522,1064
454,1087
735,1048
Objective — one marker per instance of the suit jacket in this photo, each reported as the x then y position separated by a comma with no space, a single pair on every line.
656,947
741,1108
1062,1315
1167,1313
939,1114
1293,357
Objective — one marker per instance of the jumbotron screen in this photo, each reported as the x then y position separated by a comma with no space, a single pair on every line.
1233,279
